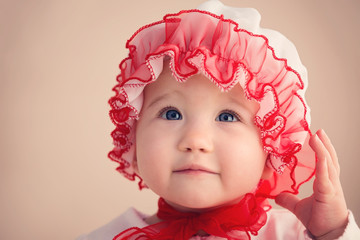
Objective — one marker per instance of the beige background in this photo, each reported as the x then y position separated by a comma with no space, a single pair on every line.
58,62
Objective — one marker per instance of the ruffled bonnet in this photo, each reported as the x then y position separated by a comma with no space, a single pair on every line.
229,47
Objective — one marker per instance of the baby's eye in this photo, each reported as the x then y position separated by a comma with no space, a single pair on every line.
227,117
171,114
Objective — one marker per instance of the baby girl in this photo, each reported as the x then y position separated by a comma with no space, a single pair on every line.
210,115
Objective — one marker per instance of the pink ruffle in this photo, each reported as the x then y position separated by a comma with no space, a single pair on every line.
227,55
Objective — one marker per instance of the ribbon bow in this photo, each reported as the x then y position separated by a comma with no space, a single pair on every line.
234,222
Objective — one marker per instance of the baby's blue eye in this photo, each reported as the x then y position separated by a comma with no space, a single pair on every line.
227,117
171,115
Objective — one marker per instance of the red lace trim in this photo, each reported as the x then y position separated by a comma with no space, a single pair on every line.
235,222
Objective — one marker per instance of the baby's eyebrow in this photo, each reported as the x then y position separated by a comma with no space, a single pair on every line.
157,99
161,98
243,103
238,101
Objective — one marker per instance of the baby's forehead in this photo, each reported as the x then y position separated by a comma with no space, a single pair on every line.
197,88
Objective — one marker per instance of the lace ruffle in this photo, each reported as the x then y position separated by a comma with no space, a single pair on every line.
236,222
227,55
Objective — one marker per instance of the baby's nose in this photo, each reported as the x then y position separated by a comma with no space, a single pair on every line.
196,138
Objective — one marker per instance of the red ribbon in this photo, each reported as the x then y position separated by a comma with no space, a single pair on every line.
234,222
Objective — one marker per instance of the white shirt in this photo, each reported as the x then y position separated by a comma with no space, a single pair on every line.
281,225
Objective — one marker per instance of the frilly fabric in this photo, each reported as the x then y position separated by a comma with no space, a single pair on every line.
228,46
235,222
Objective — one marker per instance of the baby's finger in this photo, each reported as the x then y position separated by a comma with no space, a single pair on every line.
329,146
322,181
330,162
323,155
288,201
323,185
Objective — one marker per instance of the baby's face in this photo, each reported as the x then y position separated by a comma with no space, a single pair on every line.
198,147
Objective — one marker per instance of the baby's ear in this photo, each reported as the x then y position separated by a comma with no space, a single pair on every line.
135,165
268,170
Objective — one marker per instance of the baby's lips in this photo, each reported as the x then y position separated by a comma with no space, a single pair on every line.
194,168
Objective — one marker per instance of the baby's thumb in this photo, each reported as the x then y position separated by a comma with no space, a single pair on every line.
288,201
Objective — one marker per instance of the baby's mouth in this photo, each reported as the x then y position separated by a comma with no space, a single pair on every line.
194,169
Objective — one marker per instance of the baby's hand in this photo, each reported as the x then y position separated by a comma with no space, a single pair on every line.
324,213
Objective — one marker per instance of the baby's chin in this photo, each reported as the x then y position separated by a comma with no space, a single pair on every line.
193,204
